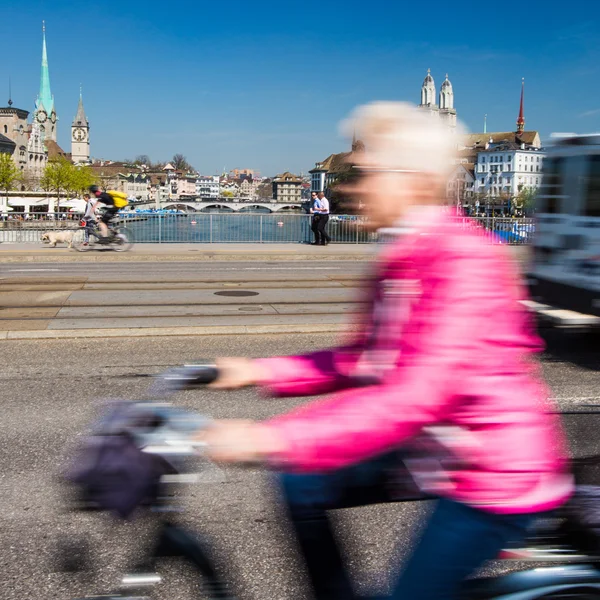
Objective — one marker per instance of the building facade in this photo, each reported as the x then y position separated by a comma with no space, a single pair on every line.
135,185
208,187
443,110
287,188
506,163
460,187
14,126
506,169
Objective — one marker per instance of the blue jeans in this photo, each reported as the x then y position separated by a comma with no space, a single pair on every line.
457,539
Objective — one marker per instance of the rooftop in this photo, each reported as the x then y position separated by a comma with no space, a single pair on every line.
479,140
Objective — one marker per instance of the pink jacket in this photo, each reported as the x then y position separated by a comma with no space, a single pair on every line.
454,348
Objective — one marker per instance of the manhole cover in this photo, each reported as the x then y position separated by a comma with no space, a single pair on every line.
250,309
236,293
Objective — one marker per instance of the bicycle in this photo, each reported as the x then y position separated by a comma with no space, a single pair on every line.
573,574
88,237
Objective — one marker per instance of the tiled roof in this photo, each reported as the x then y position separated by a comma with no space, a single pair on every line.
479,140
54,149
6,141
287,177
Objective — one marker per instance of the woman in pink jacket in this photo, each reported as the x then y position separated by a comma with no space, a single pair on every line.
443,357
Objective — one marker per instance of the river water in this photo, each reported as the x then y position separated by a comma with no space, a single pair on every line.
236,227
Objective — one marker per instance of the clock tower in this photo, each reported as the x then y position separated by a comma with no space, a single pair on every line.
80,136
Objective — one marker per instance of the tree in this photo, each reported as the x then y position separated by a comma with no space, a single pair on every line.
58,177
81,179
227,194
142,159
9,173
265,190
180,163
524,202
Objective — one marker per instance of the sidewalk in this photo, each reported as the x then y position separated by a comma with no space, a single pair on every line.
188,252
38,253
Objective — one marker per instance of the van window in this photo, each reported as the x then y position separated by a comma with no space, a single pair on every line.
592,198
552,184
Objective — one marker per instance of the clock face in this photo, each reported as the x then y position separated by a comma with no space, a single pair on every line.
42,116
79,134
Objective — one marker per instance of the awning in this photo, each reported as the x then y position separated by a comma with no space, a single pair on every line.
30,202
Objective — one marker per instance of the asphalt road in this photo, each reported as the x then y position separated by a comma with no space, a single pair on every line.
49,390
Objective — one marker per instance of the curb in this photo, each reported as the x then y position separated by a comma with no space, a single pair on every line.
192,257
171,331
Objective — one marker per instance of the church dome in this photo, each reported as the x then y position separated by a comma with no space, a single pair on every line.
429,79
446,83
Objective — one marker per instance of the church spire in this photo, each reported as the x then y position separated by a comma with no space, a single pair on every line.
80,118
521,119
45,98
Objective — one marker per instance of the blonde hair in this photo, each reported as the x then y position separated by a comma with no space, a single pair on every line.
398,135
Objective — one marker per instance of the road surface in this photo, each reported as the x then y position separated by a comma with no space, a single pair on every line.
49,389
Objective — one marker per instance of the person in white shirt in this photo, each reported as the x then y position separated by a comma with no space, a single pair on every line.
323,212
314,222
89,216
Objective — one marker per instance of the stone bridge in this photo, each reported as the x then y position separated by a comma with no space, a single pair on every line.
235,206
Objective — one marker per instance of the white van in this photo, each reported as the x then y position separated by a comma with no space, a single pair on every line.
564,276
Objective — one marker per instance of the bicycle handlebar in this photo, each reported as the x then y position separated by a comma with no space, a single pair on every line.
190,376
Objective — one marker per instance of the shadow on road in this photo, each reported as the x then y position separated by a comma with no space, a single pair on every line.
582,348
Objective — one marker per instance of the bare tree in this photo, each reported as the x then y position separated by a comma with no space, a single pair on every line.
180,163
142,159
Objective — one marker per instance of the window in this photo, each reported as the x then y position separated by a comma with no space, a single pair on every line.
483,159
592,199
482,180
6,129
509,158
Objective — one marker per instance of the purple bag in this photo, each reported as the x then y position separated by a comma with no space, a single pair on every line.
110,469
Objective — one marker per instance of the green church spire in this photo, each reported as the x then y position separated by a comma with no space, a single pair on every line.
45,99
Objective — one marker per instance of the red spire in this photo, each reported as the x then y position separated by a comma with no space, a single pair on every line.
521,119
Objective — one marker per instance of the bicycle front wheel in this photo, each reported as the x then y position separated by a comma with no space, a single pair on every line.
123,240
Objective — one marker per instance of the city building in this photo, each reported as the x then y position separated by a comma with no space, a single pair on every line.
326,172
14,126
445,109
230,188
242,173
287,188
80,136
506,162
461,184
208,186
248,188
7,146
186,185
135,185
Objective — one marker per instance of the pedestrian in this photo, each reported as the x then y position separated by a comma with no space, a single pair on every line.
89,217
323,219
314,223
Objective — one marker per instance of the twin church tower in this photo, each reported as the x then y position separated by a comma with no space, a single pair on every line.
45,119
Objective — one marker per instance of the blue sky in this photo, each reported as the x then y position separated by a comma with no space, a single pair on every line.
264,84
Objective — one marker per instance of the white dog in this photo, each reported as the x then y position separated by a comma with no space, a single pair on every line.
57,237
